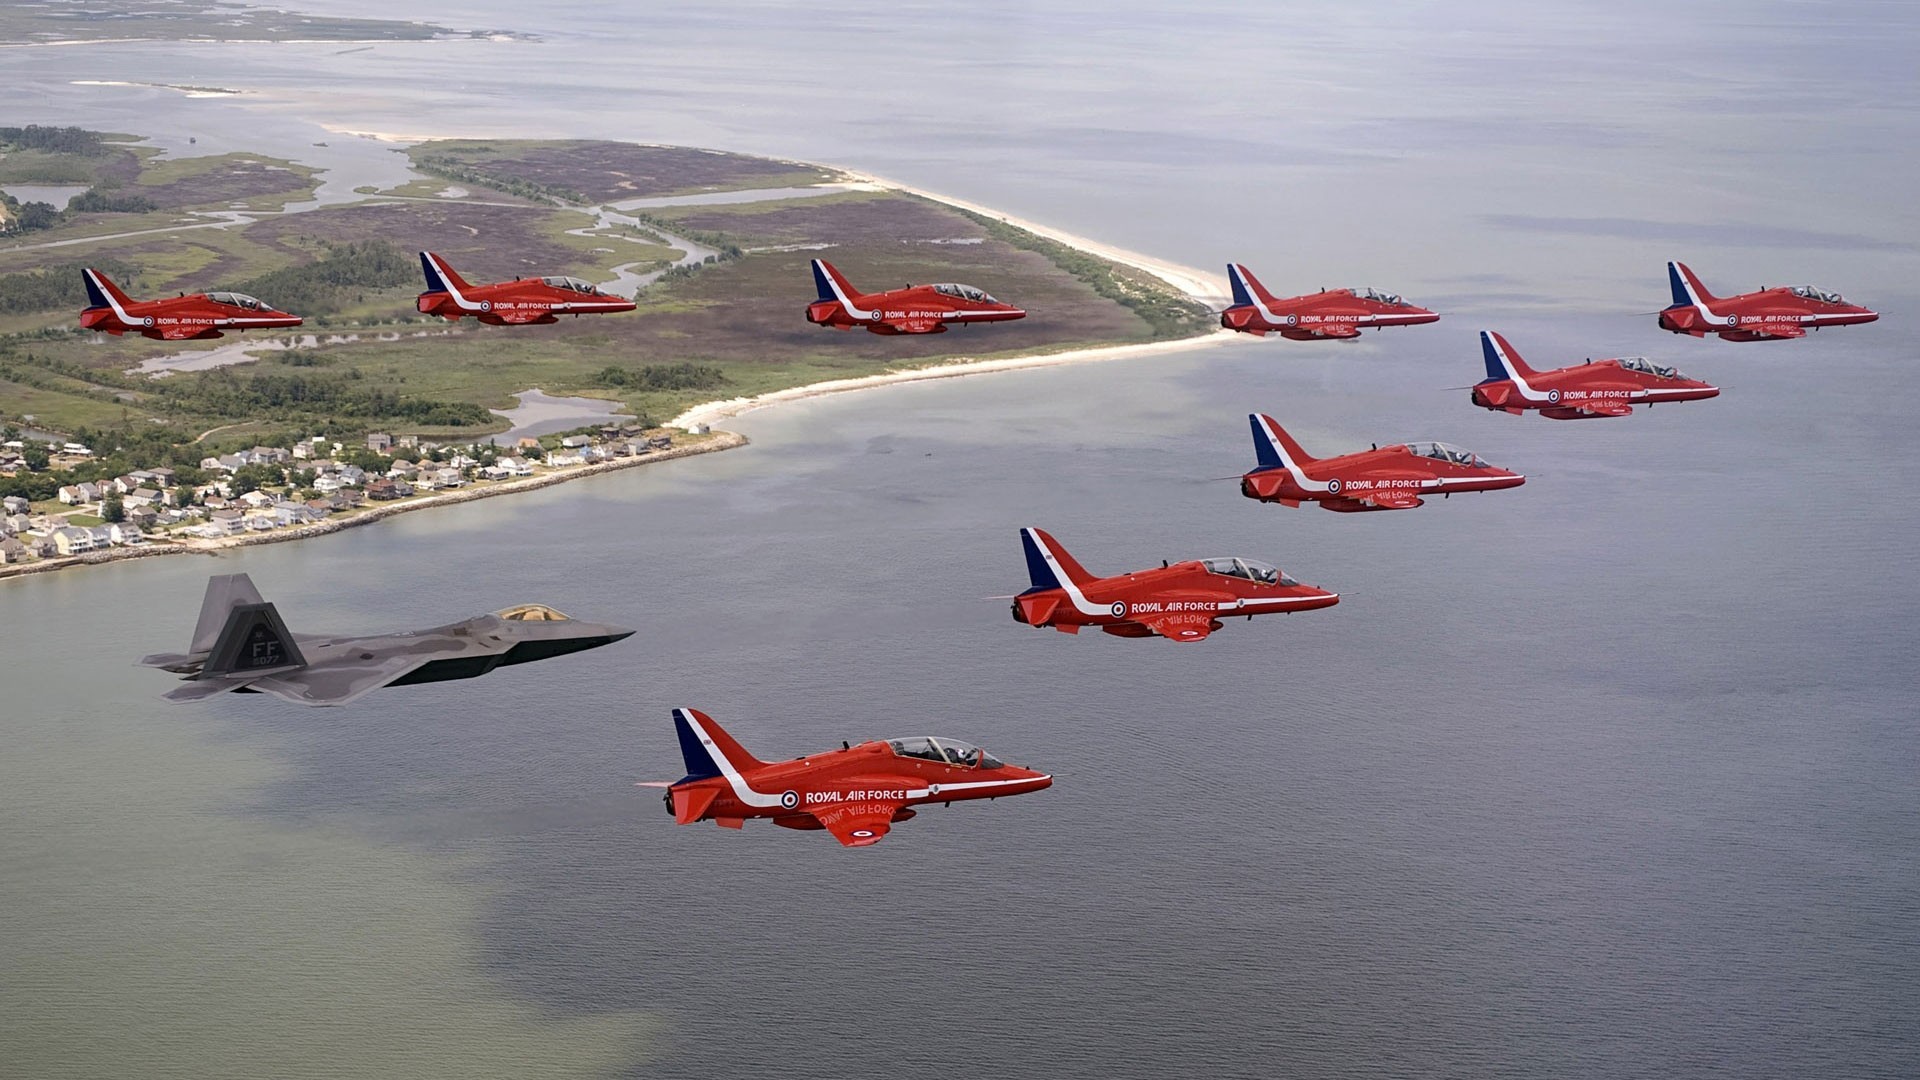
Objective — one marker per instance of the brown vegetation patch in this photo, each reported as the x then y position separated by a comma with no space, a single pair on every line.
484,243
234,182
611,171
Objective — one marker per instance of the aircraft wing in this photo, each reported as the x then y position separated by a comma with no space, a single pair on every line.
342,681
1603,407
186,333
1393,499
862,823
916,326
1180,625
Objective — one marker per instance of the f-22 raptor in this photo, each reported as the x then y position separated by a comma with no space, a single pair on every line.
241,645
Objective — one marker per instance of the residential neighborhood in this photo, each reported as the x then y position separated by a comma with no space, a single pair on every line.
271,489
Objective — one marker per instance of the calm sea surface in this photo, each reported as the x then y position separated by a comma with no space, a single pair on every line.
1607,776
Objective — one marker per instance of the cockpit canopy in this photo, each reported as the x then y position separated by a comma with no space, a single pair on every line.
1264,573
1809,292
531,613
1392,299
1440,451
1647,367
965,292
572,284
946,752
239,300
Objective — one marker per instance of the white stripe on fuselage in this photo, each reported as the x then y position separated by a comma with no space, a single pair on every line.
1527,392
741,789
446,278
1080,602
833,282
112,301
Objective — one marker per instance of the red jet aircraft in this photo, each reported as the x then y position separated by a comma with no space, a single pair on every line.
1383,478
1329,313
200,315
1184,601
916,309
856,793
1595,388
1768,315
510,303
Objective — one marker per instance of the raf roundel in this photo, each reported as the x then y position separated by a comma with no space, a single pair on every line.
1293,320
790,798
1553,396
1119,609
1733,320
1333,486
863,833
148,321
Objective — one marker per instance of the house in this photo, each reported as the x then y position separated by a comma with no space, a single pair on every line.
558,459
78,494
72,541
575,442
528,443
407,441
449,477
164,476
13,551
462,461
261,523
328,483
227,520
319,508
380,442
660,442
119,485
345,499
19,523
15,504
76,449
384,489
259,500
353,475
288,514
142,497
516,466
126,534
144,516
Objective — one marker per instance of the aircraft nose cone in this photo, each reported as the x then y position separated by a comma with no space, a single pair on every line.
618,633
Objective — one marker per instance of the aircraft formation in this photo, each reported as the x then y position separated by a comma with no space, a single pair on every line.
856,793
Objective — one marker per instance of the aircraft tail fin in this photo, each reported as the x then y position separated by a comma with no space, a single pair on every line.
1503,362
831,284
224,593
708,749
1246,287
102,292
1274,448
252,642
1687,290
440,276
1048,564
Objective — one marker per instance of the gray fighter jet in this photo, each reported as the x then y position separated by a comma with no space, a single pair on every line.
241,645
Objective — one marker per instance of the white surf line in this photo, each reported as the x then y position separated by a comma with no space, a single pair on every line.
712,412
1210,289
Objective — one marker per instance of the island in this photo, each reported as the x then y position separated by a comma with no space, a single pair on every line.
371,408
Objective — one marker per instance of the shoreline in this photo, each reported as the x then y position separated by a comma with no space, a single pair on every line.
722,440
710,412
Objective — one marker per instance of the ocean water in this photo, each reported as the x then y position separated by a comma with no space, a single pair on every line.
1606,776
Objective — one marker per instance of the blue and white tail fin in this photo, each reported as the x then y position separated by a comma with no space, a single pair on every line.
103,293
440,276
1273,447
1687,290
832,285
1048,564
1503,363
1237,276
709,751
